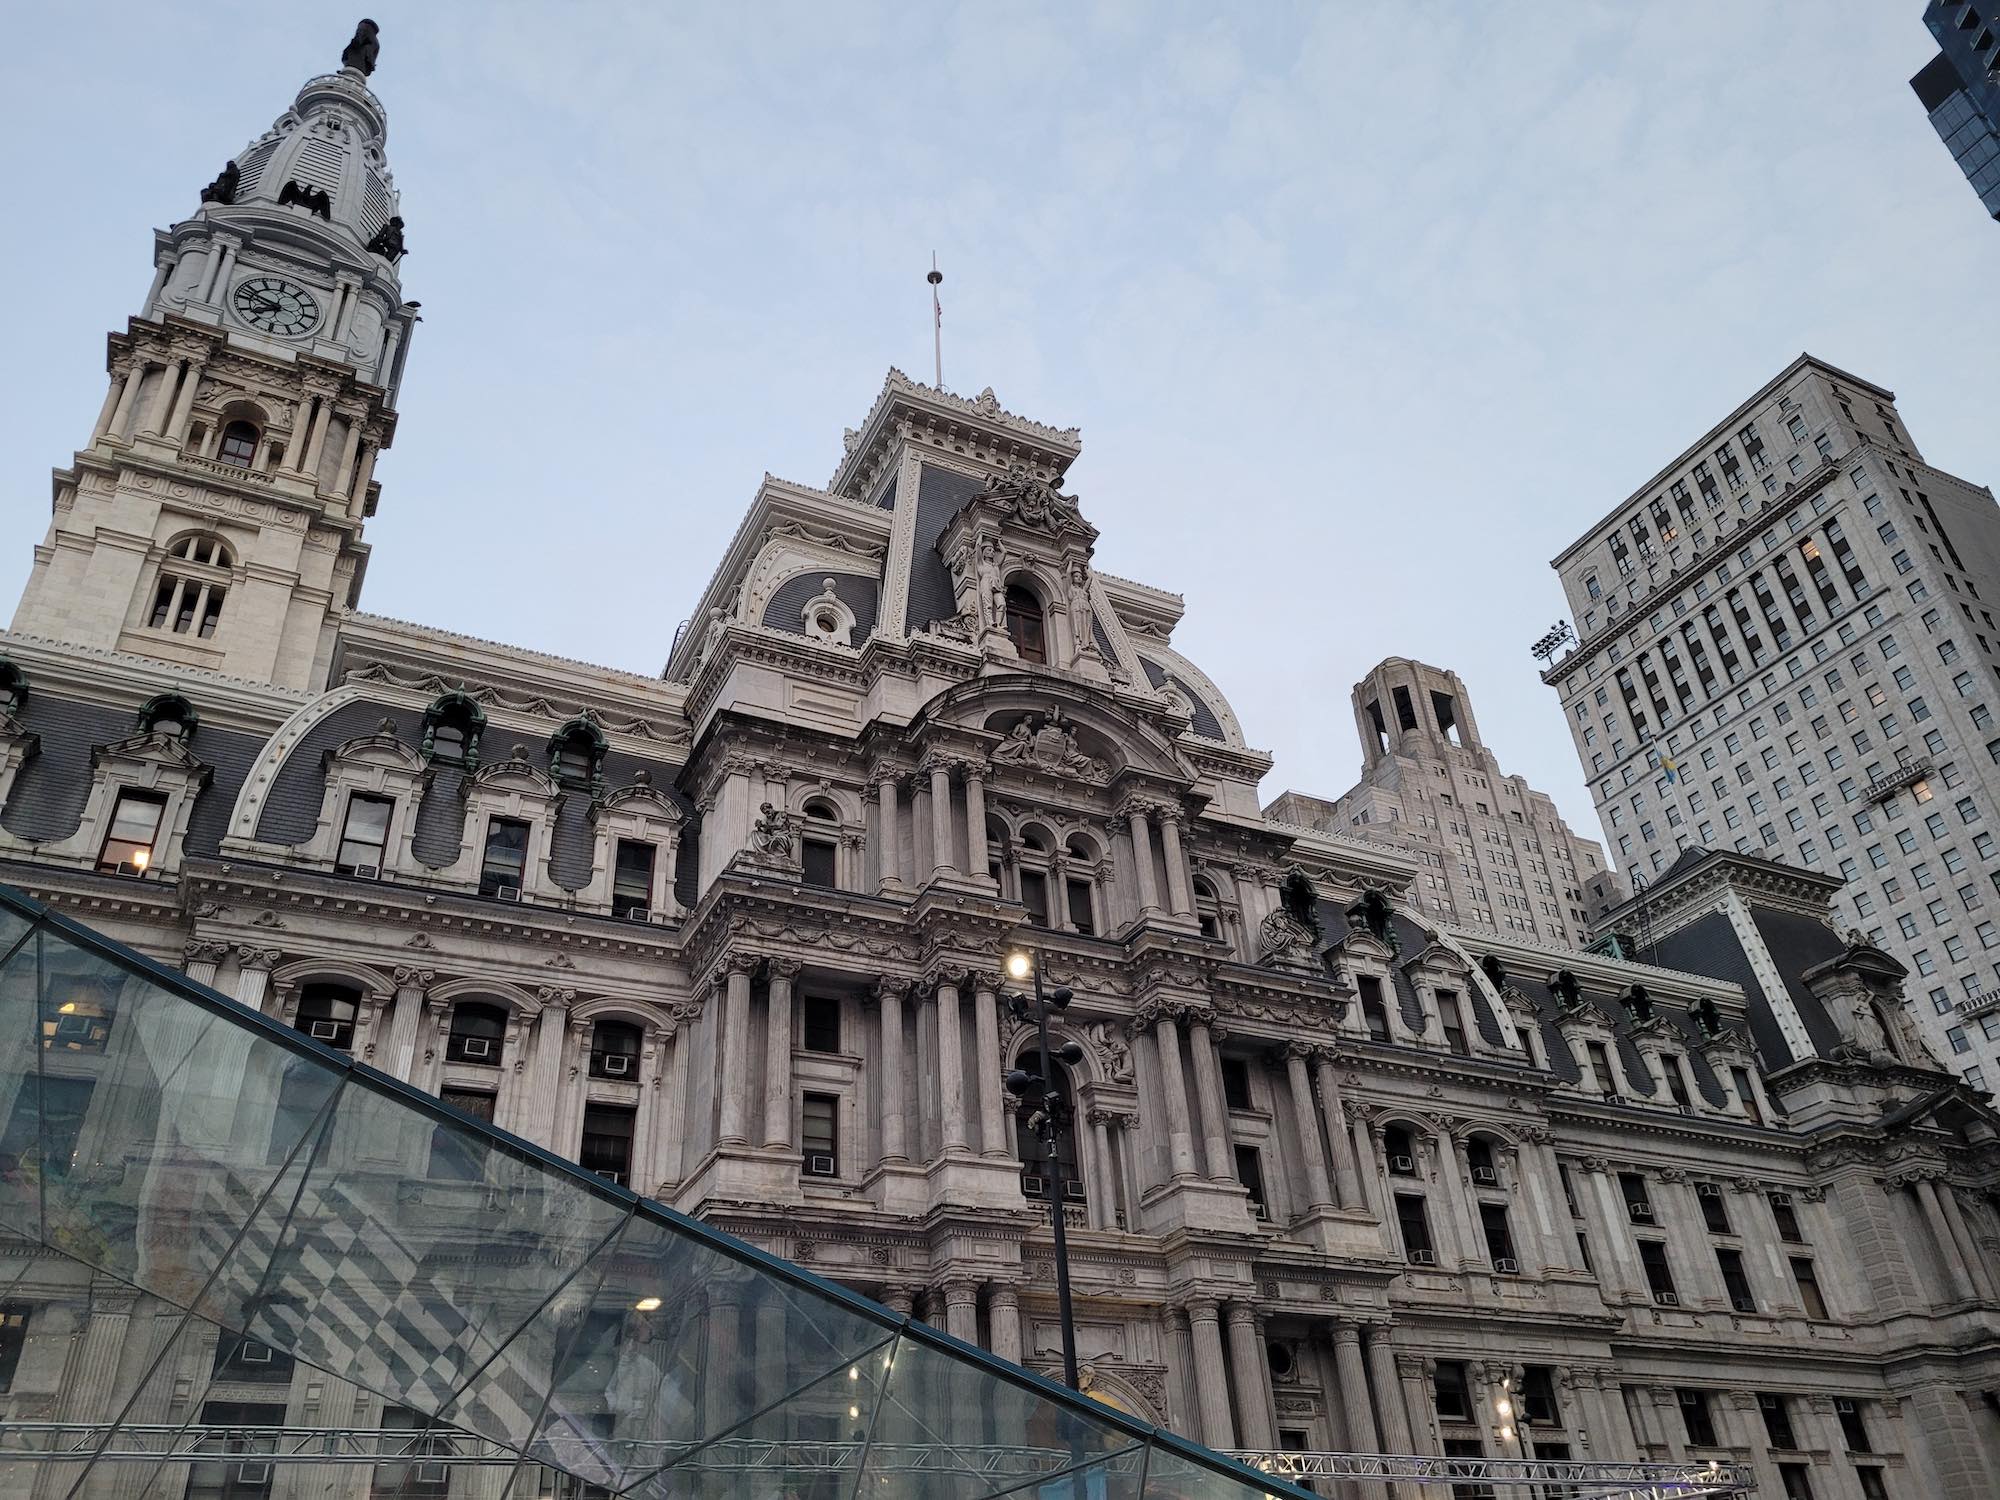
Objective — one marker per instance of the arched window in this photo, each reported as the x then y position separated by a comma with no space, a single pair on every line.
193,583
614,1050
452,727
1207,908
239,444
326,1014
1480,1161
576,755
1038,1169
1080,885
1025,624
1400,1148
1033,854
819,845
997,840
168,714
477,1030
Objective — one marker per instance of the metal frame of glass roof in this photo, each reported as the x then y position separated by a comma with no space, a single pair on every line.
203,1182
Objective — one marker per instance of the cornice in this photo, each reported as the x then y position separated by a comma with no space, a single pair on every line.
928,404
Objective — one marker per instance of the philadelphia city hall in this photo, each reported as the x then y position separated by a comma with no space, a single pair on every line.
1343,1176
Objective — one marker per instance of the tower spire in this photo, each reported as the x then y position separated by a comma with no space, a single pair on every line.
937,320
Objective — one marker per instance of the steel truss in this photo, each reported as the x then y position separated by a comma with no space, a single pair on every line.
1569,1479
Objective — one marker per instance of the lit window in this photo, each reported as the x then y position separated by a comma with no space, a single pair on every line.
135,830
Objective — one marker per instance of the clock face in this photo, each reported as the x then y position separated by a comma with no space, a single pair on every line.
275,305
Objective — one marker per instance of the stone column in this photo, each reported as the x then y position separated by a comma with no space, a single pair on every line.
153,421
951,1068
253,976
673,1105
901,1300
735,1080
941,858
1180,1136
1319,1192
1179,897
1253,1380
1968,1245
112,390
1142,855
988,1065
184,402
1208,1094
401,1052
350,448
1104,1179
1352,1373
200,960
778,1055
135,375
537,1115
364,475
1217,1430
1003,1319
724,1372
1183,1408
889,858
1416,1394
961,1310
316,438
1395,1415
1364,1142
1941,1235
1340,1141
975,821
889,996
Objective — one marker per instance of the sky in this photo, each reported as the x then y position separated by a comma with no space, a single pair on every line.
1365,309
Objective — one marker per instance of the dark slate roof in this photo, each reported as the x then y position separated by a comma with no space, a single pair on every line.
1798,943
1205,722
291,807
940,494
1102,639
857,591
49,794
439,836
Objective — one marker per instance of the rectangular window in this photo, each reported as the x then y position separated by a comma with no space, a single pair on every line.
364,835
506,857
1659,1274
411,1481
1416,1229
1082,915
1374,1014
1454,1396
1714,1212
607,1141
1236,1083
821,1032
632,879
1777,1420
13,1339
1250,1172
1697,1418
130,844
1787,1219
1810,1297
1734,1279
454,1156
1035,896
1853,1430
819,1136
1797,1481
1499,1239
1453,1022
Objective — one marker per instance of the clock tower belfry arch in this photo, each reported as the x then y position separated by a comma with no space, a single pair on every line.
215,518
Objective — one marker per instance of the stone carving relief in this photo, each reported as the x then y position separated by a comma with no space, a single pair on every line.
1047,745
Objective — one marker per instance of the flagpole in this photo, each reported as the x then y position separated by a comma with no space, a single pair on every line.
937,321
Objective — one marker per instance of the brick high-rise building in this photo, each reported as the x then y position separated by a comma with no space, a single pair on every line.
1788,647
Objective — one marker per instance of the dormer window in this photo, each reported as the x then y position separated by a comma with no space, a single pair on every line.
135,833
13,687
1025,625
239,445
505,864
169,714
576,755
452,727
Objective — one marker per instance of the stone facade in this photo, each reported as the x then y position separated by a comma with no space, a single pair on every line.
1343,1175
1787,646
1492,851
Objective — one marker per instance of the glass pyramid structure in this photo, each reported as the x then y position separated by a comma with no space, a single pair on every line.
236,1263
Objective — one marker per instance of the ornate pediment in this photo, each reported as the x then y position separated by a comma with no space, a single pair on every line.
1046,743
1024,500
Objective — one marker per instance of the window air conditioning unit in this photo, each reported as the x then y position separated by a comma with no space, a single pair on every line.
1743,1304
639,914
1708,1190
617,1064
74,1028
253,1354
1405,1165
256,1476
1485,1176
1781,1200
819,1166
126,867
1686,1109
508,892
367,872
1506,1265
1642,1213
1423,1258
1258,1210
611,1176
477,1046
324,1031
1072,1190
1843,1406
434,1474
496,1201
1667,1299
1034,1187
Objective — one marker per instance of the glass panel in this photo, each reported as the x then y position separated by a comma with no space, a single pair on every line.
1169,1476
683,1342
950,1427
408,1285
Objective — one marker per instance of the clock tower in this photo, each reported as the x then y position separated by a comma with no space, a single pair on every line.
215,519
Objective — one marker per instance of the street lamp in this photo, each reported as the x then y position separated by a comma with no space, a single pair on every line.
1049,1116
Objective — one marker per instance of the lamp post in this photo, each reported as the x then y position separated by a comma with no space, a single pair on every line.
1049,1117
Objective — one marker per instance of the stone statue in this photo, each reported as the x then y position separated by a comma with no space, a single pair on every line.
1019,746
1079,609
360,53
991,585
313,200
388,241
772,833
223,189
1048,746
717,627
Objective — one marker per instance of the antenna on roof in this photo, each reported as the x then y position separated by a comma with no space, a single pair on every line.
937,319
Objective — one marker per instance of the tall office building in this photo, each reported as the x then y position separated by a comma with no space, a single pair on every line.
1491,851
1960,91
1787,646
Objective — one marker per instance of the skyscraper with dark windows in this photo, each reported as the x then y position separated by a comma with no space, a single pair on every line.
1960,90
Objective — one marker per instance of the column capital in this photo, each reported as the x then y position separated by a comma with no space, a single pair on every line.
202,951
1201,1309
787,969
888,988
556,995
988,981
1002,1296
934,762
960,1291
252,957
1345,1332
738,962
946,976
1240,1312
